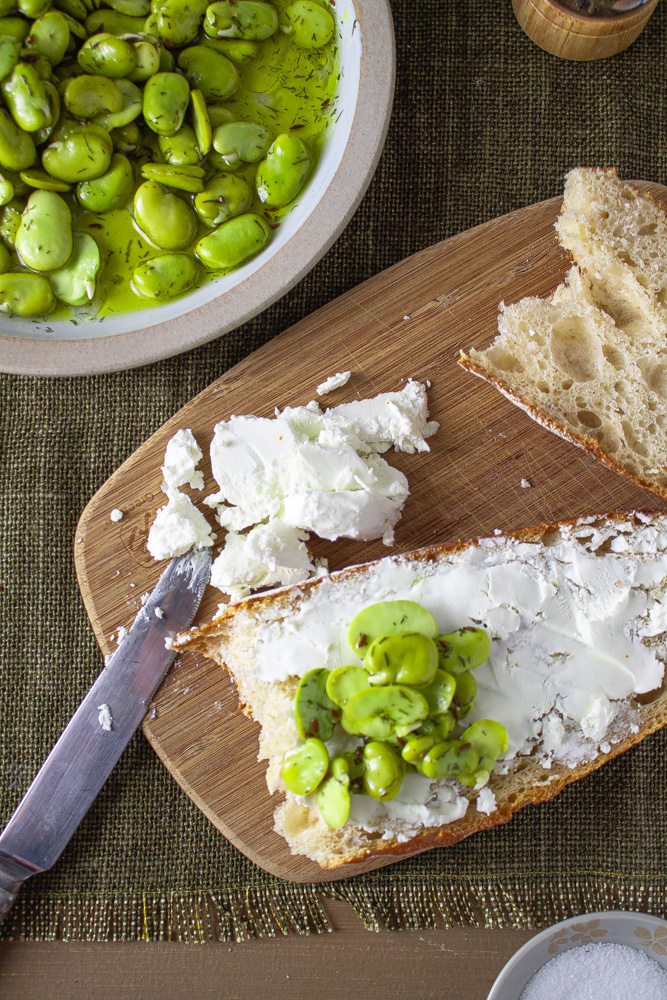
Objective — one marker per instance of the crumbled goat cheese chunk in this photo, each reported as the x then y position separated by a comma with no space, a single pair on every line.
178,526
270,554
105,718
116,514
181,458
486,801
336,381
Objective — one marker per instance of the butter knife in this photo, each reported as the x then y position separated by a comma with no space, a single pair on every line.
100,729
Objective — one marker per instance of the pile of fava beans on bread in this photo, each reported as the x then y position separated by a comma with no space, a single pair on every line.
146,145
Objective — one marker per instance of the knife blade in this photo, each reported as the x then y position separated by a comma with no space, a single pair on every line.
100,729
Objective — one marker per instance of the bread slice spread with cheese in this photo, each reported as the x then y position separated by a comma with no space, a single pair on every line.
590,362
577,616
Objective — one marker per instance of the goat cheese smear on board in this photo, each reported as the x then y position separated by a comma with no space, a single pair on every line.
574,634
304,471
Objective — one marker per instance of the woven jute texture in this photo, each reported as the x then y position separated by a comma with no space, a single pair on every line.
484,122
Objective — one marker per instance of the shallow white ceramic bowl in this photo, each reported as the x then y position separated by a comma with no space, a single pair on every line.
639,930
345,169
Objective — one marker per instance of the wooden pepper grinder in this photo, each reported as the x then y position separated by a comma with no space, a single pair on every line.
593,31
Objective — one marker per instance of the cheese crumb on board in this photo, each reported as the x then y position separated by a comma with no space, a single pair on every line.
116,514
336,381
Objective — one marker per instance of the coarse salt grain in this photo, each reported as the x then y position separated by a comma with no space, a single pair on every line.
599,972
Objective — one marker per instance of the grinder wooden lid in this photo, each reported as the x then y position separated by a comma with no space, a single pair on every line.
572,35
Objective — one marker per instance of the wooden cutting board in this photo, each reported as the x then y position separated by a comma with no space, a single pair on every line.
409,321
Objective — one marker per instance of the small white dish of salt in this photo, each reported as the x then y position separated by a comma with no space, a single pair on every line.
613,955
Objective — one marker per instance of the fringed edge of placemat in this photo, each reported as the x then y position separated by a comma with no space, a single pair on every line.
534,901
232,915
288,908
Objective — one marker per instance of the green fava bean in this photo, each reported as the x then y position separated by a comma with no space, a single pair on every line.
447,758
44,238
87,95
111,190
127,139
15,27
182,178
343,682
133,8
388,618
210,72
53,98
130,110
416,747
39,179
223,198
218,114
465,694
333,795
113,23
9,55
165,219
166,99
304,768
315,711
33,8
440,692
5,259
6,190
309,25
49,36
180,149
10,220
74,283
403,658
244,141
489,739
148,59
74,10
164,277
440,727
233,242
282,175
251,20
464,649
176,21
17,149
107,55
236,49
25,96
7,7
25,294
379,711
201,122
78,154
383,771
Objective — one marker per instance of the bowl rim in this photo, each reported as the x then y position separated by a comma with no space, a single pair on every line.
340,200
496,992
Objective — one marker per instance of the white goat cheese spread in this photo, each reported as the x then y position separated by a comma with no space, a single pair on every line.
181,458
105,718
303,470
573,635
178,526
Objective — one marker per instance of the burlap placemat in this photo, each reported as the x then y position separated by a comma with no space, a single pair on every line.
484,123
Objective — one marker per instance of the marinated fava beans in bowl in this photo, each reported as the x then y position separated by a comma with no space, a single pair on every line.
157,156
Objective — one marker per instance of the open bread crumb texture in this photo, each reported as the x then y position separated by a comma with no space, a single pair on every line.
591,361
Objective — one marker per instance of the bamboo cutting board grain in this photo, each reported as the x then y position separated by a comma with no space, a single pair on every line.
490,466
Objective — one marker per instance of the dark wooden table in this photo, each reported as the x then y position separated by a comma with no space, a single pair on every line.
348,964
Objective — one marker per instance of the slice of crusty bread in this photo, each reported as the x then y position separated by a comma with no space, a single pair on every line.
590,363
630,550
